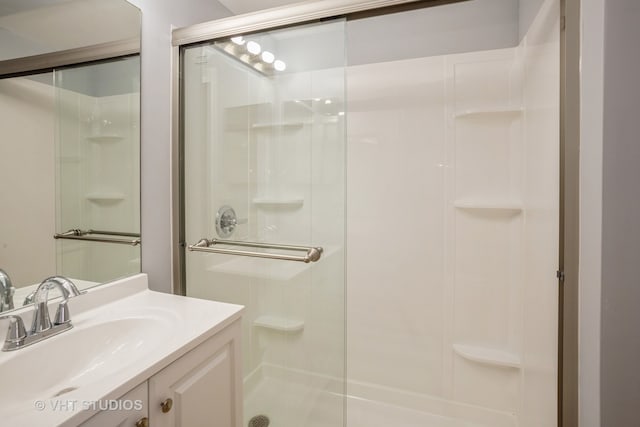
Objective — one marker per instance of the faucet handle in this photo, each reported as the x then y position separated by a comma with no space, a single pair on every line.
41,321
62,314
16,332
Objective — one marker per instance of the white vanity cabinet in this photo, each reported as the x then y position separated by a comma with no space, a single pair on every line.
201,388
128,410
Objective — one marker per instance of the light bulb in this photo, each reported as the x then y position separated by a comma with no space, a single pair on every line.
253,47
327,101
268,57
239,40
279,65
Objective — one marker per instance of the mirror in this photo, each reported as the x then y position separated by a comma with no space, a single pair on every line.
70,156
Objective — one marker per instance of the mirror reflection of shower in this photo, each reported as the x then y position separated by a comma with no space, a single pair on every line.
78,132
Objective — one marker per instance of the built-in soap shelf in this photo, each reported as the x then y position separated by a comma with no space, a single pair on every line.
260,268
281,125
105,138
70,159
507,112
497,206
288,202
105,198
280,324
488,356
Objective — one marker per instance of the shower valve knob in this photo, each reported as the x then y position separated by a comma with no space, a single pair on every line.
226,221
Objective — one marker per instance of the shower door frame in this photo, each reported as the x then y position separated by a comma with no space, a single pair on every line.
71,57
569,141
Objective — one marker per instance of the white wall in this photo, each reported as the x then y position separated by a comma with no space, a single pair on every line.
443,29
66,25
27,169
591,146
158,19
620,345
527,12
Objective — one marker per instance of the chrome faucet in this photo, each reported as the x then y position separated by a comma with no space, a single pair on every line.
6,292
42,327
41,321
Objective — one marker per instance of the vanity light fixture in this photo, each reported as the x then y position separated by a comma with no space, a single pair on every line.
268,57
279,65
251,53
253,47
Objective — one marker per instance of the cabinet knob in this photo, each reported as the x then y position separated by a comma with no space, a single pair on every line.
166,405
142,422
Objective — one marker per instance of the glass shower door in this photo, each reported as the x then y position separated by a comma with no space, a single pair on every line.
264,161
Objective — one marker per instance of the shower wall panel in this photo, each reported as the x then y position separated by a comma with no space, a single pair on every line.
395,222
452,231
540,52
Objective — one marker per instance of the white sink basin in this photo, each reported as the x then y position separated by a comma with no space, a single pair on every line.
61,364
120,336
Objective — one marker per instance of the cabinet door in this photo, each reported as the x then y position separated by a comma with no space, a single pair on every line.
202,388
123,412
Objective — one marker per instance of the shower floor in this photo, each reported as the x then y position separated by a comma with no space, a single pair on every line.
291,404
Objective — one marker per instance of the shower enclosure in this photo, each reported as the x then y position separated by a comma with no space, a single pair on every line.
380,190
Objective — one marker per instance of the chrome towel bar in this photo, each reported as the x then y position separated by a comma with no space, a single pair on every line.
88,235
313,254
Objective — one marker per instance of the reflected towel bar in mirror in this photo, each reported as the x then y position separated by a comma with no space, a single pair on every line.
313,254
93,236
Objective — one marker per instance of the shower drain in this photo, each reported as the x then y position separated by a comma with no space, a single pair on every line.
259,421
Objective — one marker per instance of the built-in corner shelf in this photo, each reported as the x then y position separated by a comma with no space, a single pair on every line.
508,112
488,356
105,198
280,324
70,159
105,138
501,207
284,125
285,202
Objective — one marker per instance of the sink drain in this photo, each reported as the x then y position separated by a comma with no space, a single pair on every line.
259,421
64,391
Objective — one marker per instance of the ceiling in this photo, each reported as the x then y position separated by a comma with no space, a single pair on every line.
9,7
33,27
